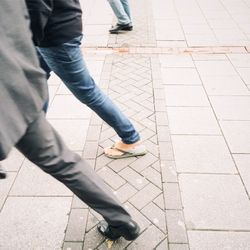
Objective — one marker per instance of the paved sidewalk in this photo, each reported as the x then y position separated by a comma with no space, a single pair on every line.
183,78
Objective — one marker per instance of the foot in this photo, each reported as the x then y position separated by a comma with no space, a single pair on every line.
129,231
2,173
122,150
121,27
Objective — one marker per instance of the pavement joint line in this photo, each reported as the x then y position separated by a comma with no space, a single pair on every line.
168,50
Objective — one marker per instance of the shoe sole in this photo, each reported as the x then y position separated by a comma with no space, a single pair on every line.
123,29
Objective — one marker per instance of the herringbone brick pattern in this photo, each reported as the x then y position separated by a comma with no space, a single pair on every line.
139,182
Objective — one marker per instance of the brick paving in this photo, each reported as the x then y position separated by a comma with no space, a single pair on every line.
183,78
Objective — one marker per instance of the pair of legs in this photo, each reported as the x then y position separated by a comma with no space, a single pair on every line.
121,10
67,62
44,147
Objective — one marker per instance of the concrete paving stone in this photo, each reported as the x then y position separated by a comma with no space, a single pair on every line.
237,135
176,61
183,76
240,60
125,192
224,85
159,201
231,34
179,247
243,161
217,202
176,227
215,68
154,235
168,171
54,80
72,108
141,163
210,240
111,178
157,166
231,107
163,245
93,133
76,225
209,57
192,120
146,134
161,118
77,203
144,196
159,93
61,90
153,176
5,186
156,216
119,244
92,239
244,74
166,151
39,224
31,181
149,124
72,246
171,44
186,96
90,150
135,179
118,165
73,131
201,40
95,29
92,221
202,154
14,161
172,196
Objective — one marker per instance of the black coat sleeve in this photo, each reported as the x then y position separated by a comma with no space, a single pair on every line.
39,11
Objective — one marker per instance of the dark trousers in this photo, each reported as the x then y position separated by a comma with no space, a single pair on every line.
44,147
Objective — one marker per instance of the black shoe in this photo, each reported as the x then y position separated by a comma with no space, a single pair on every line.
129,231
2,173
121,27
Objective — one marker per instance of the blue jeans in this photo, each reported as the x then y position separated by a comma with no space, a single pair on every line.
67,62
121,10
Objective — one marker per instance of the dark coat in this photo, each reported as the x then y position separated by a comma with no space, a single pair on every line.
54,22
23,88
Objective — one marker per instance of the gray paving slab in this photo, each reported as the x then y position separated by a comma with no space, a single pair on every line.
179,247
31,181
39,222
14,161
231,107
5,187
73,131
225,85
217,202
180,76
210,240
192,120
202,154
186,96
237,135
242,162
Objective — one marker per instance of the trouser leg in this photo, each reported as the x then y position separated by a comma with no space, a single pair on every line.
44,147
67,62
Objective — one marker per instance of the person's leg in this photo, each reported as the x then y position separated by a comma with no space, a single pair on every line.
119,11
44,147
3,173
68,63
47,70
126,8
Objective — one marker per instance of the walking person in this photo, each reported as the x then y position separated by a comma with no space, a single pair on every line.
57,32
122,12
23,124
